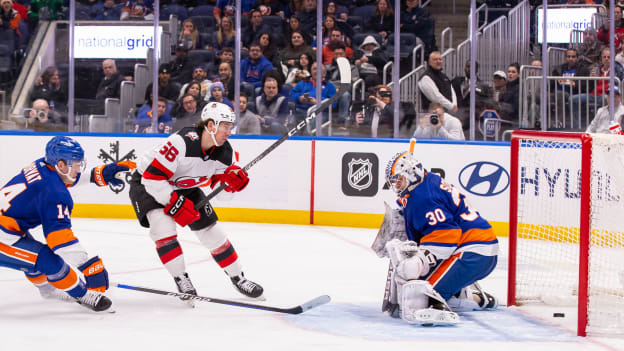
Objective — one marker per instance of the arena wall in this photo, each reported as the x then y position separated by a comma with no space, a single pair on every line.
326,181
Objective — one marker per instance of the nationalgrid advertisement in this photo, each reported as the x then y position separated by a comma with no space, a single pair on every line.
561,21
115,42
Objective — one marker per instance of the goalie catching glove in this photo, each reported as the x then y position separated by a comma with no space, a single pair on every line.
409,261
181,209
107,174
235,177
95,274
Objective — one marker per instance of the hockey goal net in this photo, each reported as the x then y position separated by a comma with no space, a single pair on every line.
566,239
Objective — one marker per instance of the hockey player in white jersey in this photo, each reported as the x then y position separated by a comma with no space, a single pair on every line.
168,183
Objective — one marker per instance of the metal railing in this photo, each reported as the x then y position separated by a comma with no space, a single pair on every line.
572,101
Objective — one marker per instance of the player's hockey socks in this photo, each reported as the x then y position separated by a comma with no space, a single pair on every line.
168,249
95,274
224,255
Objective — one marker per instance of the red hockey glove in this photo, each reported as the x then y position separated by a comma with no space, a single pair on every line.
236,178
181,209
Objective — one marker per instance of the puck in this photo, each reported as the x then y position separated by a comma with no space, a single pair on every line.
558,314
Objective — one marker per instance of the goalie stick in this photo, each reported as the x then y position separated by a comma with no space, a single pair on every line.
315,302
345,85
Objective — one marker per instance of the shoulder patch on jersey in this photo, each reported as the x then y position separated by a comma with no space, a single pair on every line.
192,135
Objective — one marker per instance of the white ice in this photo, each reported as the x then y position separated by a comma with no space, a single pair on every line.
294,264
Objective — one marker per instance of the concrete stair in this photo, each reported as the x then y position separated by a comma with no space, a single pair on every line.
442,11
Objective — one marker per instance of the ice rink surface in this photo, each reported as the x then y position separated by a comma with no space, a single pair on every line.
294,264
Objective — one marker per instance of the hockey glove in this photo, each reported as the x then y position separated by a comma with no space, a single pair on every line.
235,177
107,174
181,209
95,274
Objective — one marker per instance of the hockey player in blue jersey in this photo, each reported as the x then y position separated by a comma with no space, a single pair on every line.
449,247
38,195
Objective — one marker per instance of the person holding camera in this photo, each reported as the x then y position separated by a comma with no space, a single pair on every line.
378,113
41,118
438,124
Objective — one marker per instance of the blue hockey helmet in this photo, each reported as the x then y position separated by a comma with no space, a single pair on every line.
63,148
404,164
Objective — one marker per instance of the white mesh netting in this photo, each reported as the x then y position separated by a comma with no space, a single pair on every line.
549,211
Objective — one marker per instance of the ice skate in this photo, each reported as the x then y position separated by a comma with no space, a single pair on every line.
485,300
185,286
95,301
247,287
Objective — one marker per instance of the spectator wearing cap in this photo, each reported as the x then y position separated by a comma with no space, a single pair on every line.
589,50
499,81
217,95
166,88
602,120
253,68
181,68
199,76
110,85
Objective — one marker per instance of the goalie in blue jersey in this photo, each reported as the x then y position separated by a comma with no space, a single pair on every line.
38,195
446,248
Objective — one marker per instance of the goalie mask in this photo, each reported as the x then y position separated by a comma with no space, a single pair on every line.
218,113
404,164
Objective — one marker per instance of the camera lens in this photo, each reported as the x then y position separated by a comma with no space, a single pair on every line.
41,114
434,119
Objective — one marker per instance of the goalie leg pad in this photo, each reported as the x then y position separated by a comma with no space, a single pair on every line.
421,304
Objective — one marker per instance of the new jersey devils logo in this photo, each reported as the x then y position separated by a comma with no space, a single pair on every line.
189,182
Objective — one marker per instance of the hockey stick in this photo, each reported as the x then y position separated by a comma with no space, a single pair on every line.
315,302
345,85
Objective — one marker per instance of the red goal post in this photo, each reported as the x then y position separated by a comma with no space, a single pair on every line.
566,225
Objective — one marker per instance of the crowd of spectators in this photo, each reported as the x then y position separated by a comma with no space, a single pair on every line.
278,65
278,59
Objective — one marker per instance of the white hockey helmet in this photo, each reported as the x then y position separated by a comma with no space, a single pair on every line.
218,112
404,164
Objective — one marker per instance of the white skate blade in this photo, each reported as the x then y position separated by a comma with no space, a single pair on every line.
429,317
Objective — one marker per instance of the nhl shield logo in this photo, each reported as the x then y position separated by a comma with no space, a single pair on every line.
360,174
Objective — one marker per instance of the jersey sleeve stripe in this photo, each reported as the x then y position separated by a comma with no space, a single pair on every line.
60,238
10,224
158,169
18,254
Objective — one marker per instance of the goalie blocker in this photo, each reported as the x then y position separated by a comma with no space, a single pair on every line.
448,247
